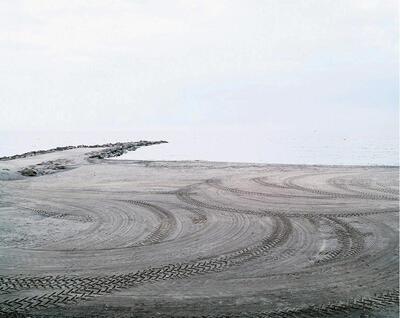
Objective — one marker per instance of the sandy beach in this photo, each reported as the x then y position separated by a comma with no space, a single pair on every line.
101,237
199,159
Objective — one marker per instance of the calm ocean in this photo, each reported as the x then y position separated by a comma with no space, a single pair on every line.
230,145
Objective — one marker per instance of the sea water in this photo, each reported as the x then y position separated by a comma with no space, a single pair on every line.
228,145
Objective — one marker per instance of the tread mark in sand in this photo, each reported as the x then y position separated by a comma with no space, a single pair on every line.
356,305
351,242
78,289
184,196
167,226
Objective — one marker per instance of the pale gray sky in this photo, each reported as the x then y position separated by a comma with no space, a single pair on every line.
307,65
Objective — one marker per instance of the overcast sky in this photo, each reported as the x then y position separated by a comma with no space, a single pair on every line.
308,65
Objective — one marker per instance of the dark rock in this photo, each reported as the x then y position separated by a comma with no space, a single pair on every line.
113,149
29,172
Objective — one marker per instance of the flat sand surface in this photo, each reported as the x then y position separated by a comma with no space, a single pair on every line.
191,238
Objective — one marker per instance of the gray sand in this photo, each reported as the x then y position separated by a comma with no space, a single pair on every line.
102,237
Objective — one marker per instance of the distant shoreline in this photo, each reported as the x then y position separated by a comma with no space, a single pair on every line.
117,149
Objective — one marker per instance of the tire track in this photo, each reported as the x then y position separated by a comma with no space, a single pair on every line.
386,189
375,186
340,183
160,233
80,289
216,183
351,242
290,184
63,216
359,306
261,181
184,196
